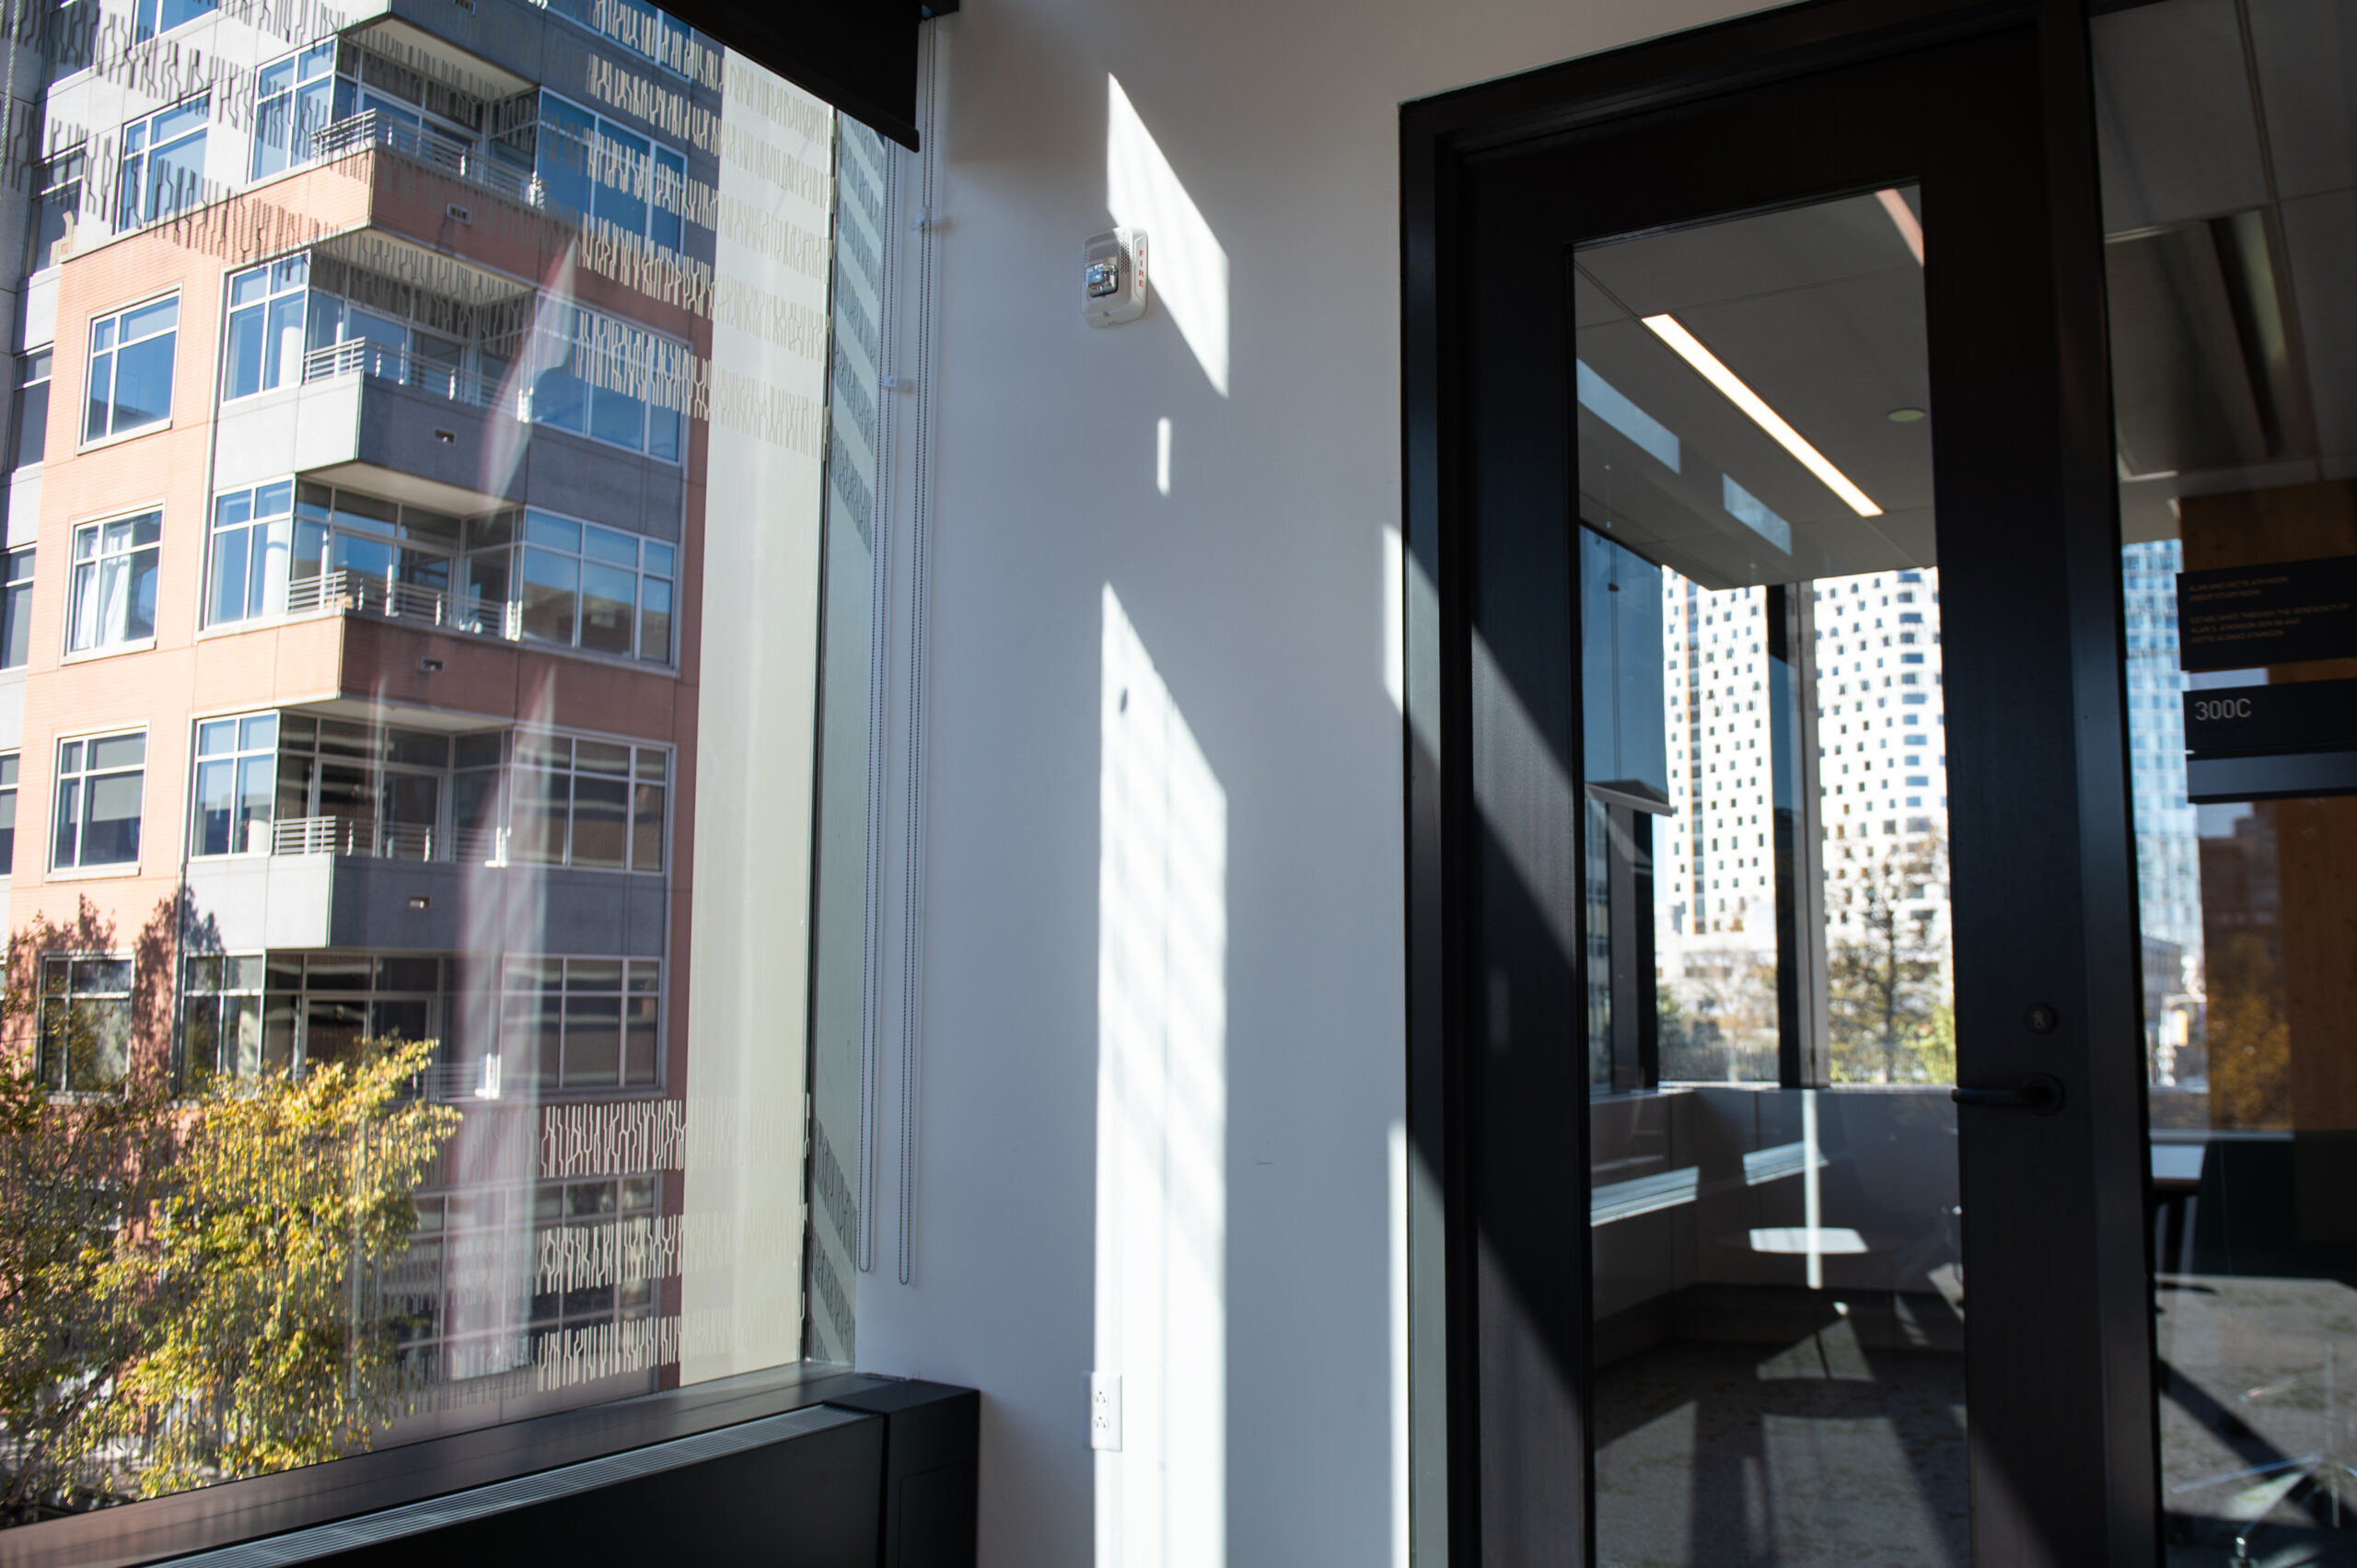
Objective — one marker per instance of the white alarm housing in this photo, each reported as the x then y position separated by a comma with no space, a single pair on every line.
1113,277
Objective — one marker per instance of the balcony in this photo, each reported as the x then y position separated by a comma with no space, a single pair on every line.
387,599
352,882
459,160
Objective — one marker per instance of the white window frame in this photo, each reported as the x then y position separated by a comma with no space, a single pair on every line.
87,574
81,777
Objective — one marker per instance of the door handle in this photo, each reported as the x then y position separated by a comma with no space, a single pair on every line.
2041,1095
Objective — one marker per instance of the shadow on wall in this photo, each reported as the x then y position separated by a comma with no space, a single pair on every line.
1161,1122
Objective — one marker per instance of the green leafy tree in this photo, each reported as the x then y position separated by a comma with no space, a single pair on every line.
1891,1020
188,1286
75,1170
291,1195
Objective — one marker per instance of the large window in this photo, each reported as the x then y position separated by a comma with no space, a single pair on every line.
31,442
17,610
583,1023
131,369
294,99
266,327
591,168
253,536
101,779
163,163
114,582
597,804
600,377
237,784
577,585
86,1020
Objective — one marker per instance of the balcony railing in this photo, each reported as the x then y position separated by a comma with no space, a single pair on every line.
374,840
359,356
459,160
352,835
362,593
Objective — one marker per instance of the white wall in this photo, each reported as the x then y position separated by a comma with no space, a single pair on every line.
1256,590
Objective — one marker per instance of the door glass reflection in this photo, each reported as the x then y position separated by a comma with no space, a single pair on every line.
1777,1289
2230,208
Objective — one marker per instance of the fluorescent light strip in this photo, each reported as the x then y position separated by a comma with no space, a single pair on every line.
1666,329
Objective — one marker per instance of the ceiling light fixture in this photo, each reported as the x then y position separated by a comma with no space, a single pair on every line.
1731,386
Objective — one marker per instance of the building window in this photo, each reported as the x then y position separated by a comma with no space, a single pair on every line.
163,162
349,788
575,583
583,1023
294,99
253,532
593,804
58,209
152,16
266,327
7,812
32,407
222,1011
593,169
114,582
378,555
131,369
600,377
16,610
86,1018
237,784
99,779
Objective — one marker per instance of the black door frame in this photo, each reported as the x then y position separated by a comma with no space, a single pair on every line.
2063,1439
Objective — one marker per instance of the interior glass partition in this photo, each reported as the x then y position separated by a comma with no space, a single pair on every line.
1775,1226
2230,209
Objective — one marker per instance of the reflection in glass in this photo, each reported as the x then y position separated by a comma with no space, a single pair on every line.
1773,1196
2228,191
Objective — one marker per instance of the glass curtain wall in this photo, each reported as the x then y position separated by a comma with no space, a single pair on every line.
2230,208
1773,1196
474,819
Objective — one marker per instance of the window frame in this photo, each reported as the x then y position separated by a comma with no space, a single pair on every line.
113,352
134,189
239,756
81,570
265,314
299,88
16,606
85,776
22,420
11,783
49,1002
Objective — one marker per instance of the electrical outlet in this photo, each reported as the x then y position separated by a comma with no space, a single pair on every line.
1105,1410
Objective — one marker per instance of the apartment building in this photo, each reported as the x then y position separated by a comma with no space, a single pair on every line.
357,583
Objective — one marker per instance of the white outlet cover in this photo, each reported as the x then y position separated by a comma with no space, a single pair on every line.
1105,1410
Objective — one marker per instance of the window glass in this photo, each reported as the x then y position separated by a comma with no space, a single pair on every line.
100,782
16,609
33,406
113,587
152,16
130,370
7,812
163,162
473,489
266,347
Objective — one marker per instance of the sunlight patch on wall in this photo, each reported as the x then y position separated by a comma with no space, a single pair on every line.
1186,268
1161,1121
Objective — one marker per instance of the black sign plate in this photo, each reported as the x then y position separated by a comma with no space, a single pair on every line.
2244,617
2307,715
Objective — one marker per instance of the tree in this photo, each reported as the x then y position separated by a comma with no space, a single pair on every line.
290,1195
74,1172
188,1286
1891,1019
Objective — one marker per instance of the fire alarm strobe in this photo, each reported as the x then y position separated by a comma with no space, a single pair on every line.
1113,277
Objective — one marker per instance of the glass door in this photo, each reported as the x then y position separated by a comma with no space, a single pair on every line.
1790,1102
2230,211
1775,1219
